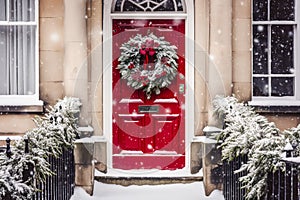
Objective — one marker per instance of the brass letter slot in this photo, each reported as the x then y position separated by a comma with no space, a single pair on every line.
148,109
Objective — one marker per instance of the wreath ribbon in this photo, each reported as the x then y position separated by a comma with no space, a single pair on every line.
147,52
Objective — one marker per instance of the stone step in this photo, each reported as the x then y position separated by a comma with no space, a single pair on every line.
126,181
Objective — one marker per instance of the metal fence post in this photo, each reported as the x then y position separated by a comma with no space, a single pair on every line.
28,172
26,140
8,150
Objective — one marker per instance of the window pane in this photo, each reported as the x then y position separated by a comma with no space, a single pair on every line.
179,5
260,10
282,86
22,10
260,86
17,60
282,10
2,10
167,6
282,49
3,60
128,6
260,49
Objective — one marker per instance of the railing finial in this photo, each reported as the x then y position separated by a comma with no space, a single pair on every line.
288,149
8,150
26,140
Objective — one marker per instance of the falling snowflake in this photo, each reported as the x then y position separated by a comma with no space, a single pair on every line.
149,146
260,28
182,106
168,110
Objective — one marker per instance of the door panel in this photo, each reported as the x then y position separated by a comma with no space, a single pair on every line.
149,133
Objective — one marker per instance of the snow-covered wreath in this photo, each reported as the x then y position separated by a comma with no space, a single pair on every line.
148,62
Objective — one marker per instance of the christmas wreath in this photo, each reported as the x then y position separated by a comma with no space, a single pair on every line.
148,62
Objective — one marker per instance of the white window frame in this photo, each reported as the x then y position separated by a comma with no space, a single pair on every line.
189,64
271,100
25,100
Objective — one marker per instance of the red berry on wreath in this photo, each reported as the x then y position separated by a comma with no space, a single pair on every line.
151,51
163,73
131,65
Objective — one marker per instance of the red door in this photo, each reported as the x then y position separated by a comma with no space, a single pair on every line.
148,132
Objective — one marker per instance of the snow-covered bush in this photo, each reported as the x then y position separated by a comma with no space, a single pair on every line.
247,133
54,131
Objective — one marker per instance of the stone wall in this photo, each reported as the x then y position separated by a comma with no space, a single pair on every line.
71,60
241,49
213,57
51,49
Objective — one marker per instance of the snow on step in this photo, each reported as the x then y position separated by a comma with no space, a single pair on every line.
190,191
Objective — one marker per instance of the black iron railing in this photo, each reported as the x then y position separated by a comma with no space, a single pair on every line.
282,185
61,185
232,187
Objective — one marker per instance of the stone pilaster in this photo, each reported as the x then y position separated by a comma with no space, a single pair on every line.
201,63
75,62
220,52
95,37
241,49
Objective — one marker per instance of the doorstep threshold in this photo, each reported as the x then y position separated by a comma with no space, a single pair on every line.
147,180
148,173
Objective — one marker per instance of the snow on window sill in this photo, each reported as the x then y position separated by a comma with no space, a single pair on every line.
276,106
21,105
277,102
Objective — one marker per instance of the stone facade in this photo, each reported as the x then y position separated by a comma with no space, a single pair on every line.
71,46
71,57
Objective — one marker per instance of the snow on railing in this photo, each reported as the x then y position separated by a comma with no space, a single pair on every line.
40,165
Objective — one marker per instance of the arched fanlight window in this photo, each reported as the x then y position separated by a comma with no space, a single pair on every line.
148,6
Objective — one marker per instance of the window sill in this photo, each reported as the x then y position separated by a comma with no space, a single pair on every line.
22,107
281,107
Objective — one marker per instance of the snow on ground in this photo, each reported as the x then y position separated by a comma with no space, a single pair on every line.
190,191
